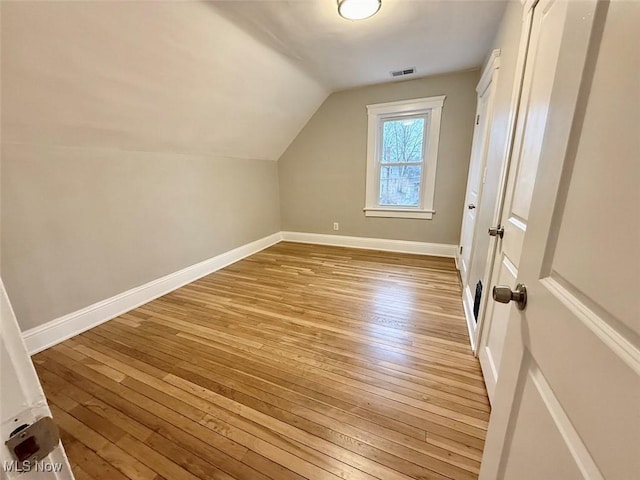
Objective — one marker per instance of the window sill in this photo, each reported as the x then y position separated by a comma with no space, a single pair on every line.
399,213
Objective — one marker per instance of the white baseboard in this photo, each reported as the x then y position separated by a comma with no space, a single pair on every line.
401,246
60,329
467,304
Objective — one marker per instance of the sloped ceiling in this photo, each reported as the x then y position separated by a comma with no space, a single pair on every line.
231,78
435,36
147,76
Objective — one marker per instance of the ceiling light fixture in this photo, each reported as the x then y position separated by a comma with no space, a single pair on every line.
358,9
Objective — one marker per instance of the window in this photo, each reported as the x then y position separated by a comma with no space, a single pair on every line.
402,152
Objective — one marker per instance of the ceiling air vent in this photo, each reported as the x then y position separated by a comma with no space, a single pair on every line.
406,71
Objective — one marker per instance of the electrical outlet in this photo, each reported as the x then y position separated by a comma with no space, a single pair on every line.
336,226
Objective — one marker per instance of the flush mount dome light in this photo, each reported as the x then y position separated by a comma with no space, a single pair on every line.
358,9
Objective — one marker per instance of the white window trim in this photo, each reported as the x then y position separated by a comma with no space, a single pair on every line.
378,112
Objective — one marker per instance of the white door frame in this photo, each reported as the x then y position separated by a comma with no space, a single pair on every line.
22,399
489,277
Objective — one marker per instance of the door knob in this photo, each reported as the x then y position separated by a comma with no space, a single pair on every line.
504,294
471,206
30,443
496,231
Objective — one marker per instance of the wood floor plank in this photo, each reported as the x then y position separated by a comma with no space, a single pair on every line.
299,362
343,418
224,370
127,464
88,461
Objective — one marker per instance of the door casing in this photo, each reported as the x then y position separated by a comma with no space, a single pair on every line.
22,399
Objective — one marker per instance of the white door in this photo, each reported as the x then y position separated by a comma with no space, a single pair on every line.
541,57
485,90
567,403
22,403
477,196
473,194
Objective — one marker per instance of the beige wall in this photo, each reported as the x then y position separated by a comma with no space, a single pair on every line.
130,133
81,225
322,173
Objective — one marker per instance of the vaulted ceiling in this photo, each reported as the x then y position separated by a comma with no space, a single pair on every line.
149,76
434,36
236,78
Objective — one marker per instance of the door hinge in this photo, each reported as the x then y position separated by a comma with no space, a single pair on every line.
477,119
460,248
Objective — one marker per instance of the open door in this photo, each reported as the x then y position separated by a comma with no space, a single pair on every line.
30,449
567,402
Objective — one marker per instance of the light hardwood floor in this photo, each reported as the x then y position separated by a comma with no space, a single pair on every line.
301,361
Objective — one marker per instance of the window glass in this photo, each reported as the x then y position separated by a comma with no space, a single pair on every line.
400,185
402,140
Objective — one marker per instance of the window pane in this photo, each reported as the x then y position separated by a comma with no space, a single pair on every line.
402,140
400,185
